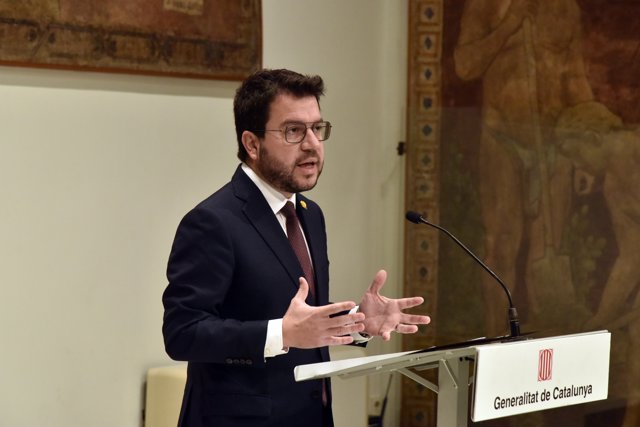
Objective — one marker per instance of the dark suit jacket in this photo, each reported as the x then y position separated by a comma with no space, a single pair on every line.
231,269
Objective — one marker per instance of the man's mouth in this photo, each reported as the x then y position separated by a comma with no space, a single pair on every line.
307,164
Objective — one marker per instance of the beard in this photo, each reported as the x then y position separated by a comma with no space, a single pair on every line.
282,176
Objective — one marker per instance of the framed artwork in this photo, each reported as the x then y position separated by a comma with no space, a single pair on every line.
523,140
215,39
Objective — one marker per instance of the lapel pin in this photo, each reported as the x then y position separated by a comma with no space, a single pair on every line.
303,204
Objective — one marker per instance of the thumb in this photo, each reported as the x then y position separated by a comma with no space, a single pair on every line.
378,281
303,289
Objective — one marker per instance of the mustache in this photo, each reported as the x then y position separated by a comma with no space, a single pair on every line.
309,157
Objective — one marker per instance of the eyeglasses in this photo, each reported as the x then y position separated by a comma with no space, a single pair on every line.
295,132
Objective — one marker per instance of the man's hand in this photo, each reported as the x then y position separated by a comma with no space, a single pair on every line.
384,315
304,326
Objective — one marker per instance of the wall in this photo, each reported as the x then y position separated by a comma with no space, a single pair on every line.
97,169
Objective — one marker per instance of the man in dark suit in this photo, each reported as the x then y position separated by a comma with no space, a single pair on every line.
248,293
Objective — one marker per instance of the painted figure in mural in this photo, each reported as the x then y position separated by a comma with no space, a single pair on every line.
527,54
598,142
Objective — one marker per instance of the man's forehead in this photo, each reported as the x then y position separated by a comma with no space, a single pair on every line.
287,107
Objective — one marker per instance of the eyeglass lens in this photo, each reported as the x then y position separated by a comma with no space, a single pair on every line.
295,132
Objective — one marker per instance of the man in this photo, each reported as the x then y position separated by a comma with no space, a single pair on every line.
528,55
244,305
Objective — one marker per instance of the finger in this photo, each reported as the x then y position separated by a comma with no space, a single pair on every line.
414,319
338,340
386,336
303,289
406,329
346,329
404,303
336,307
378,281
341,321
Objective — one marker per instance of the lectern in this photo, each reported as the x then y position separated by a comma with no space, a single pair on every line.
508,377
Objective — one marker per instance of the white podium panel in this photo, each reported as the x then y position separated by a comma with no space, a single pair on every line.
527,376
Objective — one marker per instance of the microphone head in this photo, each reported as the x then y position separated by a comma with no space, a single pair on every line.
414,217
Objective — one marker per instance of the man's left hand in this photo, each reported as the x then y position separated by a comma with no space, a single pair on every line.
384,315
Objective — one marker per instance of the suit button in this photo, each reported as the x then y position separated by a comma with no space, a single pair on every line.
228,361
249,362
236,361
316,394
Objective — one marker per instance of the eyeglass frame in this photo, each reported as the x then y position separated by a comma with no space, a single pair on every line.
307,126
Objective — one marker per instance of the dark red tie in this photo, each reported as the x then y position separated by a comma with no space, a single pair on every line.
294,234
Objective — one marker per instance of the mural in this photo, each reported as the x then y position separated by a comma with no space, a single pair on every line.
219,39
529,117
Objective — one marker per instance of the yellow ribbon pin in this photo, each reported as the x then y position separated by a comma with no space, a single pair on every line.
303,204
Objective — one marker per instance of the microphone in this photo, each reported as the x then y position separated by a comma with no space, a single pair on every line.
514,322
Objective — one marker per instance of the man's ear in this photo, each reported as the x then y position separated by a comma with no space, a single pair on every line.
251,144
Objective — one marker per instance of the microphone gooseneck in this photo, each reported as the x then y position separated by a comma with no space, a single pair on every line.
514,322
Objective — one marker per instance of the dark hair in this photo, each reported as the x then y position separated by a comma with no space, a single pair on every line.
255,95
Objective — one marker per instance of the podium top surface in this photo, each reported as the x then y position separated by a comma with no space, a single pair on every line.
385,362
417,358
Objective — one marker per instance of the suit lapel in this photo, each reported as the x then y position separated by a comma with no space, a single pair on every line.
258,212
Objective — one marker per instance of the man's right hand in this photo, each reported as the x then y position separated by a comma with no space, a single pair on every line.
305,326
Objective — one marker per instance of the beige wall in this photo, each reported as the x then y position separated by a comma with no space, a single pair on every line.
96,170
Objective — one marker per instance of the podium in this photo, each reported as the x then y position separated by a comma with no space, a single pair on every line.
508,377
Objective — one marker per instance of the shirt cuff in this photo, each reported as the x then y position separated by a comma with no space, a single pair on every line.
273,345
359,337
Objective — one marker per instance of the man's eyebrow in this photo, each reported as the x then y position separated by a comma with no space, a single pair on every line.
287,122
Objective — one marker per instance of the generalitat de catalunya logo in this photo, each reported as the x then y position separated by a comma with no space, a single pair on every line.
545,364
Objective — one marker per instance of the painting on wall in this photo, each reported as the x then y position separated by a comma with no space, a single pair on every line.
523,141
217,39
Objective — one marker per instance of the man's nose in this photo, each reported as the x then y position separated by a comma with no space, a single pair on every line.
310,138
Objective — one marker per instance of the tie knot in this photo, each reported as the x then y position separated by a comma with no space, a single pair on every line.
289,211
